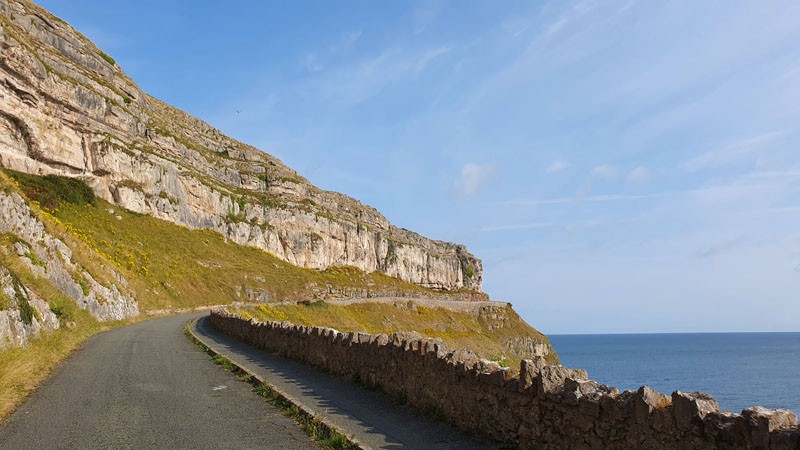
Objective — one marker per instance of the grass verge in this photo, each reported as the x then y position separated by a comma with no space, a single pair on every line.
323,434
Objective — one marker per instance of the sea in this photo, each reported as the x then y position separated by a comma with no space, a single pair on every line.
740,370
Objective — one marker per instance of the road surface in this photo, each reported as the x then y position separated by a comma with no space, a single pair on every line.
147,386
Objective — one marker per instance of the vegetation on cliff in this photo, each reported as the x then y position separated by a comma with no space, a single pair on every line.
169,266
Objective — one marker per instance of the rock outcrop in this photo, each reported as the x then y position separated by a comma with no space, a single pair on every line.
51,259
66,108
23,314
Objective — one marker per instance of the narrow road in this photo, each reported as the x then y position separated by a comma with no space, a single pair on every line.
147,386
371,416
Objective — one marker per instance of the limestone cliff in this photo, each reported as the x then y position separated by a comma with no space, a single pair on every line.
24,313
67,108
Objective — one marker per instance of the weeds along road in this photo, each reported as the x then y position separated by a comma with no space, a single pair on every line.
147,386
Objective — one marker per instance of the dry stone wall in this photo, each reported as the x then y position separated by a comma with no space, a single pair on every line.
537,407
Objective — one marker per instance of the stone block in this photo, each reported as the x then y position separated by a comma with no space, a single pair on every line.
691,408
529,369
760,422
646,401
551,379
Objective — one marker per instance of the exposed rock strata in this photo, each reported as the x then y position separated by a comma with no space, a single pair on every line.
49,258
24,314
67,108
540,406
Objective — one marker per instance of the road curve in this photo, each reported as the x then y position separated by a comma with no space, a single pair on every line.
147,386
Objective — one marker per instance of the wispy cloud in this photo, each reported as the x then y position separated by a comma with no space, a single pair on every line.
604,172
569,226
429,56
557,166
312,62
639,175
723,246
735,152
356,82
472,177
585,199
345,43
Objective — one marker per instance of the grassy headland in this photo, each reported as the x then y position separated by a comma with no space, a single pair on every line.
484,333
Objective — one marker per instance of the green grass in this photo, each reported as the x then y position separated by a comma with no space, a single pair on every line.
107,58
457,329
5,301
170,266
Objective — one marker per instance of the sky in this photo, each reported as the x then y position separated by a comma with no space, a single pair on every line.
619,166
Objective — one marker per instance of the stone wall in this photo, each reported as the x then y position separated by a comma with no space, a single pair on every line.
537,406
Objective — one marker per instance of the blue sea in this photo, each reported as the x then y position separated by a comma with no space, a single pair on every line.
739,369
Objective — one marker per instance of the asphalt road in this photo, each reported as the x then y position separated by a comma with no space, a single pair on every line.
147,386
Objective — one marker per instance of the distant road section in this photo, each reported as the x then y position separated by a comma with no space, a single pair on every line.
147,386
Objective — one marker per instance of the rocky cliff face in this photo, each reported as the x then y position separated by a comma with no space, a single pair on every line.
24,315
50,258
67,108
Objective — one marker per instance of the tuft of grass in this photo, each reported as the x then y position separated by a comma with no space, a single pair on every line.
35,259
5,301
107,58
324,435
85,288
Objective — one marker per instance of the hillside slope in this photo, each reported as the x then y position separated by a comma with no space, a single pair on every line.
67,108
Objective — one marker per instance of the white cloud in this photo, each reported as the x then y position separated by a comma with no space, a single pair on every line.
358,81
557,166
429,56
735,152
312,62
723,246
559,225
639,175
605,172
346,42
585,199
471,178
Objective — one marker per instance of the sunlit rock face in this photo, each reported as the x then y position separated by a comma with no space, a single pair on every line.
67,108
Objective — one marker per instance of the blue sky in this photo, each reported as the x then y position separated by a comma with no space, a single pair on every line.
619,166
